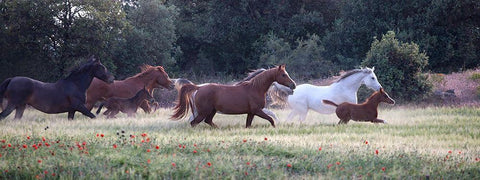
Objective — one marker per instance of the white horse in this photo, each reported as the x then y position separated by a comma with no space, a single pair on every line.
307,96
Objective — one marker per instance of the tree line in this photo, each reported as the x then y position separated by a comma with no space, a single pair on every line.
45,39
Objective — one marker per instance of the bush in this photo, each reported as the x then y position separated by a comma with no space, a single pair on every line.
398,67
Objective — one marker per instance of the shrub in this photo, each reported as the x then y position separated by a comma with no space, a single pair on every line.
475,76
398,67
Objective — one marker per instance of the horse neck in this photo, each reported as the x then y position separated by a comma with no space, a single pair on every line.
351,83
263,81
142,78
374,100
138,98
81,78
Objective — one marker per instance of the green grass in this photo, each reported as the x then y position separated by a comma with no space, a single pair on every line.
441,143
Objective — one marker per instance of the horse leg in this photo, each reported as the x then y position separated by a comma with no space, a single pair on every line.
373,121
71,114
19,111
197,120
209,119
270,113
343,121
81,108
7,111
249,120
261,114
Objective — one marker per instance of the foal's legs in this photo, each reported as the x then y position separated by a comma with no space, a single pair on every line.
19,111
261,114
146,107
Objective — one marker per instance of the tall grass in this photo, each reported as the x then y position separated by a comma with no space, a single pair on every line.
440,143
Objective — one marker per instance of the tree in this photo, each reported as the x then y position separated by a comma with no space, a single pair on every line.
399,67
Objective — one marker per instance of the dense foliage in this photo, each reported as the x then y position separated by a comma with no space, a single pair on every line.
45,39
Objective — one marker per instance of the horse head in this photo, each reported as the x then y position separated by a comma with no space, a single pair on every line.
283,78
143,94
384,97
370,79
160,78
100,71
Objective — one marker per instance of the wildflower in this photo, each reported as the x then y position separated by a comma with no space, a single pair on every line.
43,139
114,146
46,144
0,155
195,145
174,165
329,166
53,174
157,147
132,136
338,163
179,146
244,140
383,169
449,152
98,134
148,139
194,151
289,165
46,172
3,141
148,150
477,159
84,143
209,164
248,163
376,151
366,142
102,135
149,161
9,145
320,148
39,161
144,135
25,146
266,138
28,137
246,173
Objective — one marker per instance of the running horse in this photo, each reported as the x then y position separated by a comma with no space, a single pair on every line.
65,95
128,106
366,111
150,77
247,97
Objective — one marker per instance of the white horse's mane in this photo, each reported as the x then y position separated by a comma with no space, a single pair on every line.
355,71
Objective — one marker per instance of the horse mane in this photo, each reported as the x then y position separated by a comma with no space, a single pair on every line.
251,75
352,72
79,69
146,69
256,78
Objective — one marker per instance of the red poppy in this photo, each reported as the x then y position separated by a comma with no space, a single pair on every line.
114,146
320,148
338,163
157,147
148,161
148,150
84,143
25,146
53,174
102,135
174,165
366,142
383,169
194,151
9,145
477,159
144,135
43,139
3,141
289,165
246,173
98,134
195,145
244,140
266,138
209,163
248,163
28,137
39,161
0,155
329,166
376,151
450,152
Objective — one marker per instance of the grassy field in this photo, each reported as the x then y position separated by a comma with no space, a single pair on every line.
437,143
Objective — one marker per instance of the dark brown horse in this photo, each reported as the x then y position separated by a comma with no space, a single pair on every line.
366,111
66,95
245,98
126,105
151,77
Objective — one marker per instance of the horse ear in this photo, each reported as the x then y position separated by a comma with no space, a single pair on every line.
281,67
160,68
373,68
381,90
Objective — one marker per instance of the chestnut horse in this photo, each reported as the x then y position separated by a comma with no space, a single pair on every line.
245,98
126,105
151,77
366,111
66,95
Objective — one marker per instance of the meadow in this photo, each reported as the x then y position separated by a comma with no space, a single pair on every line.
417,143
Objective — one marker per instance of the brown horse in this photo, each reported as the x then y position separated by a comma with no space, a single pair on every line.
151,77
66,95
247,97
126,105
366,111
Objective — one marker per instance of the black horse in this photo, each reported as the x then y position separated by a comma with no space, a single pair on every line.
66,95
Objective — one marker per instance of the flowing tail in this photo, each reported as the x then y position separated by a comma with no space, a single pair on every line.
183,101
3,88
330,103
100,107
279,94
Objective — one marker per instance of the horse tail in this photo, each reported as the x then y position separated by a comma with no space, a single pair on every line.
3,86
330,103
183,102
100,107
279,94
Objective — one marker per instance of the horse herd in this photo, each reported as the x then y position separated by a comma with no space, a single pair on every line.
91,83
